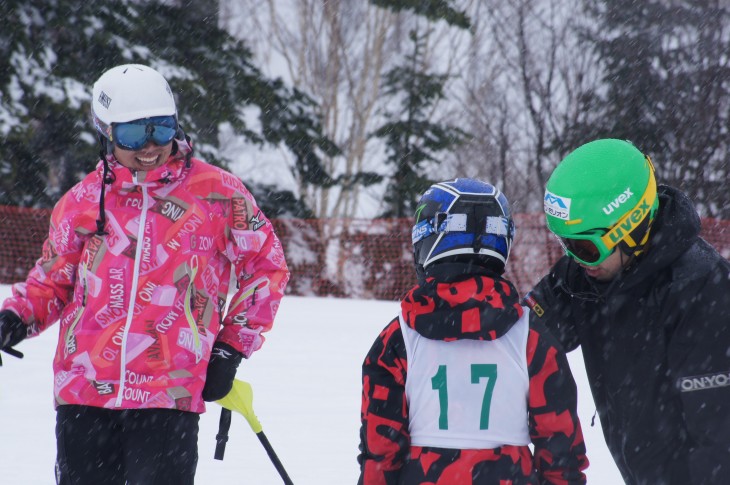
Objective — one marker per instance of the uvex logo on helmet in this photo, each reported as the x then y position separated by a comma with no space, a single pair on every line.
616,203
629,221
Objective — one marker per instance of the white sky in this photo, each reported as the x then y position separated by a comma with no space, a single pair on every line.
306,382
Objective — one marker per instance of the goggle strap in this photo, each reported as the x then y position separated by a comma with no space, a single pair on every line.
450,222
643,242
629,241
499,226
629,244
421,230
444,222
625,225
645,239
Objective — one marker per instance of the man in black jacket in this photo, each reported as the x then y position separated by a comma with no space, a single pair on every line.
648,302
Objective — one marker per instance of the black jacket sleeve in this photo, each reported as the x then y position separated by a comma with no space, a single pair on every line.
699,359
555,430
384,437
549,305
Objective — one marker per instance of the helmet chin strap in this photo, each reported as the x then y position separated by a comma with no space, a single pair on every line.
420,274
107,148
182,143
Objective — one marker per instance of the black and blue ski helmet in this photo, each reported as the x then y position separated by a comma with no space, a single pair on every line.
463,220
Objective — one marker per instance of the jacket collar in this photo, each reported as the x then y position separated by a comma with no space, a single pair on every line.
676,228
458,301
122,178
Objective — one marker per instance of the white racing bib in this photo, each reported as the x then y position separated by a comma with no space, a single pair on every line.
468,394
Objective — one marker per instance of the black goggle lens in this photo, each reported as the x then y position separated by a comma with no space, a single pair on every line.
583,249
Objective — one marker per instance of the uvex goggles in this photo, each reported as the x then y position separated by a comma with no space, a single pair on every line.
594,246
134,135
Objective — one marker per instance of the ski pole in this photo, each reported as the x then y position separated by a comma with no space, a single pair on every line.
240,399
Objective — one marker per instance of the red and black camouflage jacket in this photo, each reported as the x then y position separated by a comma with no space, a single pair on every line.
437,310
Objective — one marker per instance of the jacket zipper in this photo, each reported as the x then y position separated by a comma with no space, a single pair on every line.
133,292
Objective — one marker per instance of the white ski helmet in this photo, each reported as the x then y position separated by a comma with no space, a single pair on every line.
129,92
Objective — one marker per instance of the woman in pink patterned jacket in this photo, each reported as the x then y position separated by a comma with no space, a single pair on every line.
136,268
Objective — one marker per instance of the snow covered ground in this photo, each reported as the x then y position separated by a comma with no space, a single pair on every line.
306,382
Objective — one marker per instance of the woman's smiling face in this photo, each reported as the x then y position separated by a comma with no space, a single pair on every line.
146,158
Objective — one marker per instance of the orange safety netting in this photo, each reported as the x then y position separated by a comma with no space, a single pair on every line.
353,258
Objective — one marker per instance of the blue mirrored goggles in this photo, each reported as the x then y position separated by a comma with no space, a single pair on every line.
133,135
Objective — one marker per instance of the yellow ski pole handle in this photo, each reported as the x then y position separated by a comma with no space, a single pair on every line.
240,400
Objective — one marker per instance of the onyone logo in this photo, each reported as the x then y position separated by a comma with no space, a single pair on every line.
615,203
557,206
701,383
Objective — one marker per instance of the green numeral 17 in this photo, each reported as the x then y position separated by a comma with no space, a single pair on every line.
438,383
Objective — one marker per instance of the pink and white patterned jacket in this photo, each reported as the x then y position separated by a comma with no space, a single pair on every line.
141,306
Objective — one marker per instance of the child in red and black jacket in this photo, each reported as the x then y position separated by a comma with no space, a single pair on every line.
460,384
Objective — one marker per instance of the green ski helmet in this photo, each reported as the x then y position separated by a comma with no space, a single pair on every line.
602,195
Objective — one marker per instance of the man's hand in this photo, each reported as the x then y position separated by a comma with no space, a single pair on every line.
224,361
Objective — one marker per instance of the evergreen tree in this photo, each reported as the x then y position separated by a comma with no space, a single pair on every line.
666,89
411,139
52,52
433,10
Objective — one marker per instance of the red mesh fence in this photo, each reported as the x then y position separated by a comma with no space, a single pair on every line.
23,232
353,258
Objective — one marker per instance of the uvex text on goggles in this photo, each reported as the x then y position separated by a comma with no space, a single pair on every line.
594,246
134,135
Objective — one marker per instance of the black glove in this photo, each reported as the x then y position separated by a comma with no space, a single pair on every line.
12,331
224,361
